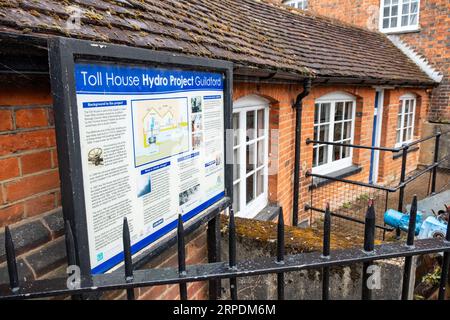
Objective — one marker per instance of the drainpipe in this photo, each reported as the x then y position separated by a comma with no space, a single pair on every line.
298,105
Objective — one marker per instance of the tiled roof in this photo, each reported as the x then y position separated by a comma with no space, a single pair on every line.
251,33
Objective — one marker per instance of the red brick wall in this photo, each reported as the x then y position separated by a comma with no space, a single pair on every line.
432,41
29,181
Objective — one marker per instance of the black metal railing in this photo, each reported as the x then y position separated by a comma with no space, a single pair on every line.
233,269
400,187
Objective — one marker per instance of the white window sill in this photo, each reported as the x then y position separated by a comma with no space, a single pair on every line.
400,31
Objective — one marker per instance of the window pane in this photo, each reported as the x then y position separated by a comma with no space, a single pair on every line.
261,123
339,112
250,191
394,11
406,106
386,23
250,152
323,154
338,131
314,157
236,197
236,164
316,113
409,135
325,112
324,132
236,128
347,130
336,153
413,19
404,21
399,121
405,121
405,8
259,182
393,22
414,7
411,120
405,135
316,133
348,110
346,150
398,136
250,125
386,12
387,2
260,157
394,2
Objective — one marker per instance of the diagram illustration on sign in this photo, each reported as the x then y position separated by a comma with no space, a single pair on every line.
160,128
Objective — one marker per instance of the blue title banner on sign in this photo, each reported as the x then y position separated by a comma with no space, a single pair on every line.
100,78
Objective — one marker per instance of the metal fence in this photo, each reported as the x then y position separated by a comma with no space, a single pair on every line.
232,269
348,197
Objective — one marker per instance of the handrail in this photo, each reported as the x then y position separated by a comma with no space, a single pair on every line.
395,149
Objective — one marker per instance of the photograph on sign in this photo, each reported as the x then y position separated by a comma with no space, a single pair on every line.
152,148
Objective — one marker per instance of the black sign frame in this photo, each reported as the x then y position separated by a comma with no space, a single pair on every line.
63,54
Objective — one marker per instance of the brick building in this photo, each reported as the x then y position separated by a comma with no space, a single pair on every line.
353,71
418,27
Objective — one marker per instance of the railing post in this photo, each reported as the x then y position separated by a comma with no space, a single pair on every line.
402,187
11,261
232,253
369,241
181,257
280,254
213,235
436,159
445,266
127,257
326,253
409,242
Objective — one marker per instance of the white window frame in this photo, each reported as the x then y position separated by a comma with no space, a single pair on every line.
409,123
398,27
242,106
330,165
299,4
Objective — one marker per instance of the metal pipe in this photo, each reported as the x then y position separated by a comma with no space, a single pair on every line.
362,184
326,253
409,242
232,253
356,146
298,106
436,159
181,257
127,257
402,185
369,242
280,254
348,218
445,267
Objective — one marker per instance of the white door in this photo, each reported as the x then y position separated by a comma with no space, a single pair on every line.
250,171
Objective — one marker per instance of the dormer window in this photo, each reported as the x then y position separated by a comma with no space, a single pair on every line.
299,4
399,15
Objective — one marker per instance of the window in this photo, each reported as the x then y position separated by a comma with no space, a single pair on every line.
250,166
405,119
333,121
399,15
299,4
